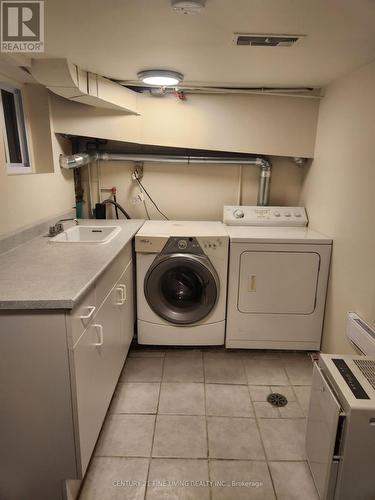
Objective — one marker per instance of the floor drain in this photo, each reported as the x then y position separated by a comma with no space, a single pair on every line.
276,399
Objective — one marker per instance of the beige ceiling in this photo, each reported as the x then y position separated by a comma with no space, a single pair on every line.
118,38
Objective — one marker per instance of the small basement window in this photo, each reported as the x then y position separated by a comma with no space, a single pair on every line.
14,131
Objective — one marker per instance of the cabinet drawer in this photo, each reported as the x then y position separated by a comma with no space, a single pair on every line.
112,273
82,314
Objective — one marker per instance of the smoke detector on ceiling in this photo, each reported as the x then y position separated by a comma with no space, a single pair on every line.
188,7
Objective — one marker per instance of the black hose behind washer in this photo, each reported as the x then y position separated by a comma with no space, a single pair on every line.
116,208
117,205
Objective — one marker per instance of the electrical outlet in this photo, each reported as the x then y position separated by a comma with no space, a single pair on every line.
138,171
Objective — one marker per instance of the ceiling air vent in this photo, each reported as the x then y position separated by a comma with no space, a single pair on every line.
265,40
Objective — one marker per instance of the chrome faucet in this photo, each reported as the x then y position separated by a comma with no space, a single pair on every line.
59,227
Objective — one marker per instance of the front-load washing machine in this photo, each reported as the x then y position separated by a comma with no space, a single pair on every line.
181,282
278,273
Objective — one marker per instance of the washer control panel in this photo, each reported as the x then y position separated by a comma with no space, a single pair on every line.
264,216
212,243
192,245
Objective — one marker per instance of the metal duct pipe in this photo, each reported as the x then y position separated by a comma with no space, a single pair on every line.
76,161
182,159
79,160
264,185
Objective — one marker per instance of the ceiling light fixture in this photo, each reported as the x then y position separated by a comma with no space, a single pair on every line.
160,77
188,7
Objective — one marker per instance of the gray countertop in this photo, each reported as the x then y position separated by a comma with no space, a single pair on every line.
44,275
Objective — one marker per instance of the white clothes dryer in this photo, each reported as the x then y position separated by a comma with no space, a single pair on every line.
278,274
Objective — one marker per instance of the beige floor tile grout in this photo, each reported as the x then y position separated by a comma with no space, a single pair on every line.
231,416
242,417
202,459
206,422
128,382
264,451
182,414
153,435
139,381
297,401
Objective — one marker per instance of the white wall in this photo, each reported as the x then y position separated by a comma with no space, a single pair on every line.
261,124
28,198
271,125
338,192
197,191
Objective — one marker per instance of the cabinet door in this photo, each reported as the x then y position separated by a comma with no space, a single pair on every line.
97,364
125,292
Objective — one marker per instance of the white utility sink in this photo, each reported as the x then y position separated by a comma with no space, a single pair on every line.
87,234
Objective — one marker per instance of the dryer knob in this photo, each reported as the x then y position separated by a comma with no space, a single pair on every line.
239,214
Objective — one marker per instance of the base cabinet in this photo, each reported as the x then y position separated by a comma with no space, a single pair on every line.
58,373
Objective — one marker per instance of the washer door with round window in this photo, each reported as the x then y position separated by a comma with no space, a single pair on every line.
182,288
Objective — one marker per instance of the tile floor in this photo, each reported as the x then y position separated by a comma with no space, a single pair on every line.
195,424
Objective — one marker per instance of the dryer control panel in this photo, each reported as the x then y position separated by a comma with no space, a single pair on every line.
264,216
